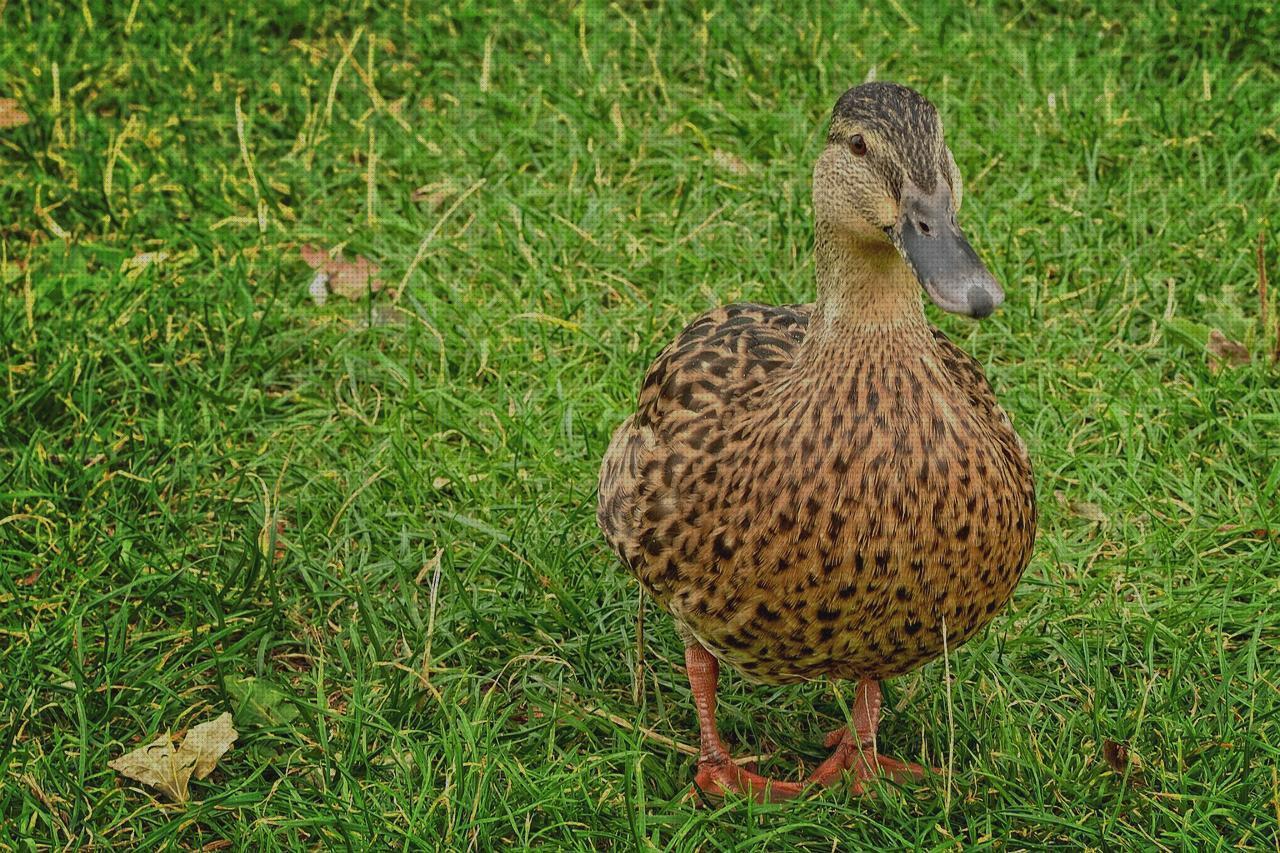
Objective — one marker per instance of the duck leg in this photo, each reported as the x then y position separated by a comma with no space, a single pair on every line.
855,748
717,773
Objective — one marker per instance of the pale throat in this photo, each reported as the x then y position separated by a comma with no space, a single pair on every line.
864,287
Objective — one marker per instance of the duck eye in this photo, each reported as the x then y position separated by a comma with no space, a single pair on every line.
858,145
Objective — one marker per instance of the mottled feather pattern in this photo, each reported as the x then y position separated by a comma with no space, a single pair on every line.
821,507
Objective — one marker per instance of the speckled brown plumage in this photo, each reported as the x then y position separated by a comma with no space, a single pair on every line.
829,489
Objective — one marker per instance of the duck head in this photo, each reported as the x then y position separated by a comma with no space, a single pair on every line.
886,181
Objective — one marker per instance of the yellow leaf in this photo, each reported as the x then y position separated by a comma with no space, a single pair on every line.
158,765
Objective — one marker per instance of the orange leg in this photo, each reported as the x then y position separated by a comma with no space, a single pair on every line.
854,749
717,774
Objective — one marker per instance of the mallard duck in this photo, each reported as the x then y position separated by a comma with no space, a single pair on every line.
831,489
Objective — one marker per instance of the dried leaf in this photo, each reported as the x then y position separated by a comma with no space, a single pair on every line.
12,115
1224,350
158,765
730,162
208,742
350,279
1121,761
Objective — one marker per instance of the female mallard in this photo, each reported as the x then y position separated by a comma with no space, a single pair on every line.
831,489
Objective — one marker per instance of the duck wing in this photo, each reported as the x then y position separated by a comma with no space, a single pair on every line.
690,398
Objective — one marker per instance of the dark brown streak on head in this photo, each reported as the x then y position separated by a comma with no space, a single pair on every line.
902,118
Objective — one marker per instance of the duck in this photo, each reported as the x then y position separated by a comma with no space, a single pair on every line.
831,490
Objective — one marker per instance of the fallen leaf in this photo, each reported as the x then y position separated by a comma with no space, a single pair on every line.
730,162
350,279
1121,761
209,742
158,765
260,702
12,115
1224,350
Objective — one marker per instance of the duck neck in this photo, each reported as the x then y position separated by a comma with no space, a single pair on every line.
866,293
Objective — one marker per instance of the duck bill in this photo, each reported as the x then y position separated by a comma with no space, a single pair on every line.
943,260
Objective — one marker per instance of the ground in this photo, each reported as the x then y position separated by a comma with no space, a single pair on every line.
381,509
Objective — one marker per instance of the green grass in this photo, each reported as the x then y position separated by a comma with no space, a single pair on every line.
161,426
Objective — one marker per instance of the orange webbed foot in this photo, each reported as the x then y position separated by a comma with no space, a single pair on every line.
717,778
864,763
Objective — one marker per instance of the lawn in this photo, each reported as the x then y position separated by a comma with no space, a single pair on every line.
366,528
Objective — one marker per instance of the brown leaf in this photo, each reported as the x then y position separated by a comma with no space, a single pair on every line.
349,279
1121,761
1224,350
12,115
158,765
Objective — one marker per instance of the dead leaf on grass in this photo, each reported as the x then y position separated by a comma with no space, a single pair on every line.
1223,350
158,765
12,115
350,279
1121,761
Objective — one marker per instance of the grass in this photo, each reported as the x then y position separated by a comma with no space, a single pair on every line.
204,477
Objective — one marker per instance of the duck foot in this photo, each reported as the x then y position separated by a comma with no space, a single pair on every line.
717,773
716,778
863,764
854,748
